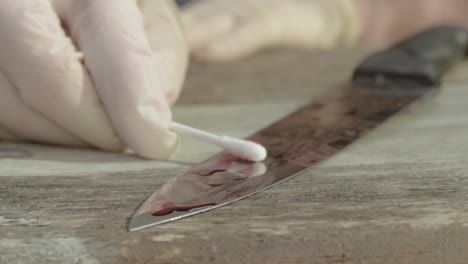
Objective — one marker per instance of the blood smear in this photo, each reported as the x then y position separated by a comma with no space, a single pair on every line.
169,207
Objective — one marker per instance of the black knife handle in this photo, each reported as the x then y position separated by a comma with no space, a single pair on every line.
417,62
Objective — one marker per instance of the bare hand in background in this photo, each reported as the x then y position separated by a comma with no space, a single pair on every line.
91,73
223,30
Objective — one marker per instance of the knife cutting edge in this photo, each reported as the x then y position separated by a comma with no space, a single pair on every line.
382,85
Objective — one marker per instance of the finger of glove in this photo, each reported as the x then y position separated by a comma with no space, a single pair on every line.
168,44
26,123
245,39
55,83
118,54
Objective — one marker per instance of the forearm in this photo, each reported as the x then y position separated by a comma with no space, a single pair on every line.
384,22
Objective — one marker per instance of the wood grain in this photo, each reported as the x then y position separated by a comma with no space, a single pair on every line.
398,196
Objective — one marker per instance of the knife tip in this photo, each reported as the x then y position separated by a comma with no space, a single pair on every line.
145,220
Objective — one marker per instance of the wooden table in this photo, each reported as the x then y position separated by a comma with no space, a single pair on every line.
398,196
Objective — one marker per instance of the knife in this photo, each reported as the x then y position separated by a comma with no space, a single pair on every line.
382,85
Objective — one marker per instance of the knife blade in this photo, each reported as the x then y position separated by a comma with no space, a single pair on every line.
382,85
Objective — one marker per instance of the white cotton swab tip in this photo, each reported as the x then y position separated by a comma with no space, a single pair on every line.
240,148
245,149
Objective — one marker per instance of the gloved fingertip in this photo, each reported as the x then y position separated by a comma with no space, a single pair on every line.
145,128
166,149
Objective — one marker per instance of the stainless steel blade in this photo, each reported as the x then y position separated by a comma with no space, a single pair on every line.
294,143
389,81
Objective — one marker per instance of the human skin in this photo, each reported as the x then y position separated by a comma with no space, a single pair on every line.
385,22
220,30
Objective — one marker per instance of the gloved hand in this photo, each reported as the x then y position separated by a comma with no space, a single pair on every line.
223,30
91,73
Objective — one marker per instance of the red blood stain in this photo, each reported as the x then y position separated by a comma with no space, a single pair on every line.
216,184
351,112
317,106
169,207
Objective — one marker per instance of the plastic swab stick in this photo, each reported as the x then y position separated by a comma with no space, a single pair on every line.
240,148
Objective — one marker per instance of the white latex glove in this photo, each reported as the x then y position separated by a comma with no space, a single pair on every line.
222,30
91,73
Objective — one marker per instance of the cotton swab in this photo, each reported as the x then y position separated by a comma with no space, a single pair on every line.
241,148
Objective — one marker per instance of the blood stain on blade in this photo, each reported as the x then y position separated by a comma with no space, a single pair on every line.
210,173
204,184
168,207
224,179
317,105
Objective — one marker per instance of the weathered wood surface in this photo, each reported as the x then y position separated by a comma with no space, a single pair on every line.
398,196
